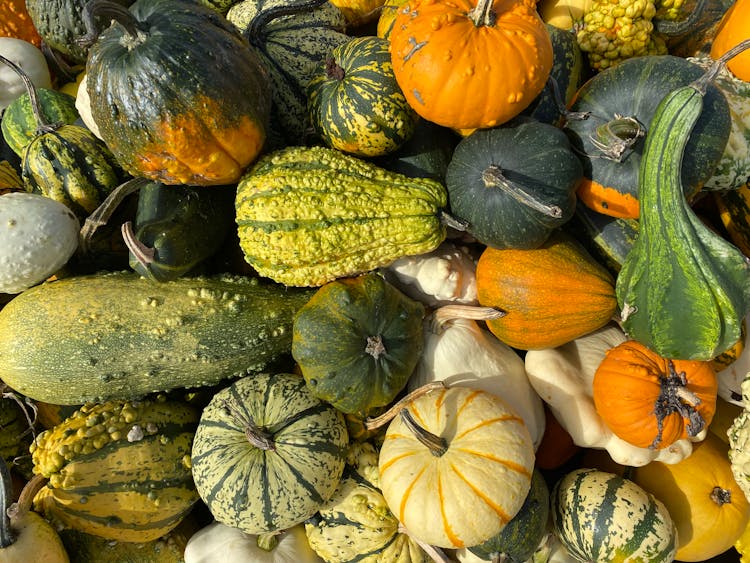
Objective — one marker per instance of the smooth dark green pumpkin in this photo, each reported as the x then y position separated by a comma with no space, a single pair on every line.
170,108
514,184
357,341
611,135
291,39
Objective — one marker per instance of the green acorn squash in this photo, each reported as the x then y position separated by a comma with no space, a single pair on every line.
169,108
290,38
268,454
514,184
609,129
354,102
357,341
119,470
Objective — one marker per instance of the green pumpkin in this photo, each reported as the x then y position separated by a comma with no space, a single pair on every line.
354,102
357,341
521,536
600,516
611,128
171,109
268,454
514,184
291,39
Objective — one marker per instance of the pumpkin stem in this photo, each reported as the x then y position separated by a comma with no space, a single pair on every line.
721,496
675,397
447,313
143,254
268,541
436,444
6,501
493,177
333,70
702,83
111,11
483,14
256,435
433,552
452,222
375,346
378,421
31,488
256,31
42,125
616,138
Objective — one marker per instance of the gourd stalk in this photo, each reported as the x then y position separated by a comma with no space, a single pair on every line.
256,30
42,126
493,177
483,14
436,444
112,11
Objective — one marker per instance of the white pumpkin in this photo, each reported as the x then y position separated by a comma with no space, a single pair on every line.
38,235
32,62
83,105
458,351
219,543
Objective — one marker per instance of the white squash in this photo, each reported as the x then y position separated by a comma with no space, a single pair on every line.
38,235
83,105
31,60
730,378
458,351
563,377
219,543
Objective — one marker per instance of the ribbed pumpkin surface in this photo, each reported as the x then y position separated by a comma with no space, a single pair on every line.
274,487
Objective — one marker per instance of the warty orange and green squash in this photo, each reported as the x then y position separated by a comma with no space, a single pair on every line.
268,454
354,102
608,130
204,132
551,294
438,49
651,401
707,506
119,469
455,466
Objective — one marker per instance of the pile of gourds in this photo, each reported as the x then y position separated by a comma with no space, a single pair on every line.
374,280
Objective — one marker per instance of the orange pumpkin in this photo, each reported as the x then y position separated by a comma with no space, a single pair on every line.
16,22
733,29
470,64
700,493
551,295
651,401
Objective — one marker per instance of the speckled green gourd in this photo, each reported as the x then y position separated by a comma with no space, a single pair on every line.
119,470
120,336
308,215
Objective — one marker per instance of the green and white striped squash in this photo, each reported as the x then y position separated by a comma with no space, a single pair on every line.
268,454
354,102
600,516
119,470
309,215
291,38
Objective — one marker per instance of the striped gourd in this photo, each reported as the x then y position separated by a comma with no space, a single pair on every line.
71,165
119,470
354,102
291,38
308,215
601,516
268,453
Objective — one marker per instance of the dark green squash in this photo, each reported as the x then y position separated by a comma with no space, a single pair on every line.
514,184
521,536
357,341
354,102
291,39
171,109
611,128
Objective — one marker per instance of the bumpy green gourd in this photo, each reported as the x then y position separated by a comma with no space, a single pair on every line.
308,215
683,289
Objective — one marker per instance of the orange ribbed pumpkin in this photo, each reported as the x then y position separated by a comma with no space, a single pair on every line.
651,401
551,295
734,28
16,22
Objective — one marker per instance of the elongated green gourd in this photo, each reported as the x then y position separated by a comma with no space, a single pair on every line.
683,289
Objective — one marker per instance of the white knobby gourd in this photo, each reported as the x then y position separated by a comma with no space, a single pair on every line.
31,60
38,235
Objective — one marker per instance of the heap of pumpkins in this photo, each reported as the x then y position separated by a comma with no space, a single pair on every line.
354,280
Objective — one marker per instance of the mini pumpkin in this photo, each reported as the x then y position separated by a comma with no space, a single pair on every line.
651,401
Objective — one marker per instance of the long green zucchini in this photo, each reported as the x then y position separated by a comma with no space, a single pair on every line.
120,336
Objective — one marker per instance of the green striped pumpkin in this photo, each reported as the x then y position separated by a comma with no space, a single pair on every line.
118,470
354,102
73,166
268,453
600,516
291,38
308,215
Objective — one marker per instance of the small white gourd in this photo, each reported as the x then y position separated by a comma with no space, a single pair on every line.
31,60
38,235
83,105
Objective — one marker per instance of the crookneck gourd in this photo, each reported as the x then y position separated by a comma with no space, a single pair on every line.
308,215
683,289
